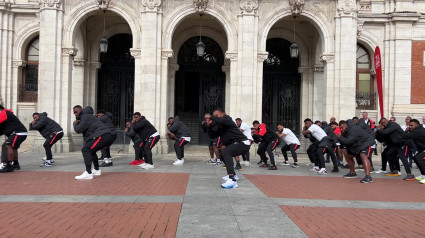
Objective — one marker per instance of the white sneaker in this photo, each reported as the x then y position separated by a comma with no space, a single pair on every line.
2,165
84,175
247,163
148,166
142,165
422,181
229,184
420,177
322,171
227,177
379,171
314,169
179,162
96,172
285,163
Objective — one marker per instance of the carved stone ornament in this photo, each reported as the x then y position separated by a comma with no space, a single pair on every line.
318,68
8,3
359,28
79,62
249,6
327,58
232,55
347,7
103,4
167,54
50,3
136,53
71,51
19,63
297,6
96,65
200,6
262,56
151,4
365,7
302,70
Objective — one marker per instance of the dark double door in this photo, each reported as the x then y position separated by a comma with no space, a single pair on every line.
198,93
116,93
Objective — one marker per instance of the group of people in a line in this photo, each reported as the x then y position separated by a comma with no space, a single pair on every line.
355,139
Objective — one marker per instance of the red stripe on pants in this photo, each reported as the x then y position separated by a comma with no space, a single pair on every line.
95,143
181,143
14,140
141,144
296,146
405,152
274,146
368,152
150,147
53,138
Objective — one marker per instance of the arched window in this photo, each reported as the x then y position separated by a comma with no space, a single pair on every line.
29,87
365,84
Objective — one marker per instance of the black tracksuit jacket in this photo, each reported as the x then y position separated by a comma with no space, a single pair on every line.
89,125
144,128
46,126
229,131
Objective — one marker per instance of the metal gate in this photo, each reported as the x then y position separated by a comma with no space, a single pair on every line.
281,87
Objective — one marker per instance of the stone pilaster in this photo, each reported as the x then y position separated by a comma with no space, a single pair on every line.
17,66
342,104
166,88
6,45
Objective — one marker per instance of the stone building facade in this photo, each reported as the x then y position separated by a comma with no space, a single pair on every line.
50,59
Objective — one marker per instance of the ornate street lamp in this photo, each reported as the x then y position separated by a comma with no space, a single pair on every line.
200,46
103,41
294,47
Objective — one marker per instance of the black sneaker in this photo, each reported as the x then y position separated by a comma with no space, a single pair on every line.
16,165
346,166
350,175
260,163
295,165
104,164
366,179
273,167
335,170
238,167
6,168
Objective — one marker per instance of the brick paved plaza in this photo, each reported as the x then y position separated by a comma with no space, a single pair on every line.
187,201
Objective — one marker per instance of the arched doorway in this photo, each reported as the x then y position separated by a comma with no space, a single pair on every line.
199,85
281,86
116,80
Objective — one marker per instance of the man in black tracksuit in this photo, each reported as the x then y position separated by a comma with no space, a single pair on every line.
416,132
106,118
330,150
50,130
235,143
212,131
16,133
269,141
129,131
392,134
358,143
96,136
149,137
179,130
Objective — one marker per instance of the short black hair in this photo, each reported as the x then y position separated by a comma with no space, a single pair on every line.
170,118
77,106
342,122
333,123
35,113
255,122
415,121
317,122
1,107
238,119
219,109
355,118
100,111
382,119
308,119
137,114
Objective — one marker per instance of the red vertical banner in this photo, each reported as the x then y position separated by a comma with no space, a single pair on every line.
378,71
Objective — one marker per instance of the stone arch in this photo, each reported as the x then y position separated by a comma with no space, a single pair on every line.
179,14
369,42
24,36
187,34
318,20
288,35
109,31
86,9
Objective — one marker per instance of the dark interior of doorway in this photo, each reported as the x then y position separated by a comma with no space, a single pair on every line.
115,92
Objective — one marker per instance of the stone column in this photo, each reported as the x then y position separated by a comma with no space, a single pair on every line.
226,70
315,94
258,86
18,65
163,146
90,83
173,68
331,90
242,85
6,46
343,103
78,73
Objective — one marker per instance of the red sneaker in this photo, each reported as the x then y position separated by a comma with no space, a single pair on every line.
135,162
142,161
